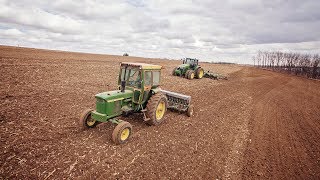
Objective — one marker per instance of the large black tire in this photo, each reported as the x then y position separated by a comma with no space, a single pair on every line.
85,121
186,74
156,109
174,71
199,73
190,111
122,132
190,74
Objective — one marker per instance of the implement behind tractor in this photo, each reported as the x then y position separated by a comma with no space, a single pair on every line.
215,76
139,91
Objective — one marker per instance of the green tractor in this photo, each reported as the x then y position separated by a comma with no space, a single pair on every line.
189,69
139,91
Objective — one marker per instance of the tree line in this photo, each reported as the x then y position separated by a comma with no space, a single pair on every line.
306,65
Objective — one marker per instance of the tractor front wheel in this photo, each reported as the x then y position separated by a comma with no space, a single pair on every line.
190,111
86,120
190,74
156,109
199,73
174,71
122,132
186,74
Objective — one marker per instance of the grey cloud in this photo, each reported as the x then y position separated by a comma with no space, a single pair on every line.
38,18
91,10
143,23
208,29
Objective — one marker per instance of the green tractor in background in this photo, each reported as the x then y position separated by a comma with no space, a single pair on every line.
189,69
139,91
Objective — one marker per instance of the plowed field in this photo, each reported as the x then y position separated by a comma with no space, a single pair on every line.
256,125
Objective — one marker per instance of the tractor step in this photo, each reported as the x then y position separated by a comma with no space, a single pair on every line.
145,118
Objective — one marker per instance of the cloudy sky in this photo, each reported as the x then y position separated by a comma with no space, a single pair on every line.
211,30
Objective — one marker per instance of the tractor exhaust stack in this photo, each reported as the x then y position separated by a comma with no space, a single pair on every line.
123,86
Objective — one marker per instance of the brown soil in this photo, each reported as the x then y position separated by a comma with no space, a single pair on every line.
257,125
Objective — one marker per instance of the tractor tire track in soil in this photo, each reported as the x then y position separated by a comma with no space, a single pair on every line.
257,125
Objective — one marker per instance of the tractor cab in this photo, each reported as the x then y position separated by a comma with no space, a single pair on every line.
190,61
140,78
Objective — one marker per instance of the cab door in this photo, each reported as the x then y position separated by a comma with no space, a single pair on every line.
135,83
147,85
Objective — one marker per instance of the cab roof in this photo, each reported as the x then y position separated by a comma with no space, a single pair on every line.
142,65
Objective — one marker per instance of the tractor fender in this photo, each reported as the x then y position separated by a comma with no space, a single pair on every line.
151,93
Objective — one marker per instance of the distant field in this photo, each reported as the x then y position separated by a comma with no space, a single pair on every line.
256,125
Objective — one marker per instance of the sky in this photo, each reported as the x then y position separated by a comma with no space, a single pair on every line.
210,30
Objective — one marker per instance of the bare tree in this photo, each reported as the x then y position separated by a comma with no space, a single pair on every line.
296,63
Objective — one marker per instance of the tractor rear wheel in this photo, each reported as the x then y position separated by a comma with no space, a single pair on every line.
86,120
190,111
191,74
199,73
122,132
156,109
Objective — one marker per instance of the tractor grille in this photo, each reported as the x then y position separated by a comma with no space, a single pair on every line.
100,105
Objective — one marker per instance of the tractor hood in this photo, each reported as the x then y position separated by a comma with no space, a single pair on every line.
113,95
182,66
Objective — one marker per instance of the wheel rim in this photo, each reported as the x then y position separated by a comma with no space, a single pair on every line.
125,134
160,110
90,121
201,73
192,75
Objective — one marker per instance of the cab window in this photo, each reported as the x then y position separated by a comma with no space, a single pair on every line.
156,78
134,78
147,78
